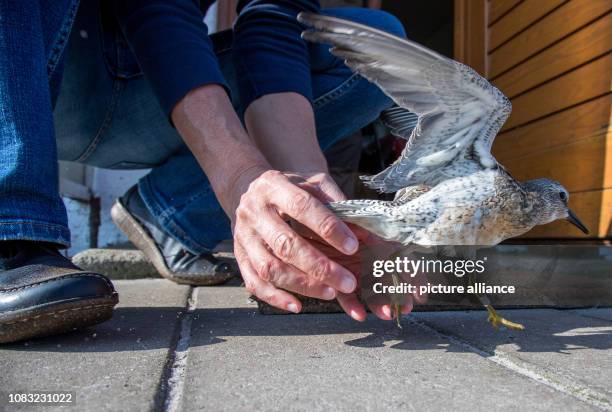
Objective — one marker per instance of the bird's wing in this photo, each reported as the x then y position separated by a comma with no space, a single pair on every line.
459,112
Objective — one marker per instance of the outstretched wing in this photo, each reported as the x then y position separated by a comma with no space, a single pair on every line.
459,112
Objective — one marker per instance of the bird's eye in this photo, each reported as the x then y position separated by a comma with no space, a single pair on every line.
563,196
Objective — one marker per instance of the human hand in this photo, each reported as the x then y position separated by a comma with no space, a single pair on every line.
275,260
360,264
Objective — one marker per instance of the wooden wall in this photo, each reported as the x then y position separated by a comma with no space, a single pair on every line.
553,59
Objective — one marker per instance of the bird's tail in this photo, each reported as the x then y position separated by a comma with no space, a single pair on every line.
367,214
358,207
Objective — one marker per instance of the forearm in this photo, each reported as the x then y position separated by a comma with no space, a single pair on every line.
283,127
209,126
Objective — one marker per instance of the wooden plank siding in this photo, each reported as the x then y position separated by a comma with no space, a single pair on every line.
500,7
553,59
587,44
519,18
562,22
577,86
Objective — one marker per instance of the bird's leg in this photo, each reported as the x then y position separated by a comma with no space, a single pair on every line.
494,318
396,302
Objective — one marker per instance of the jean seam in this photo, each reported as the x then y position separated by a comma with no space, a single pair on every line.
117,89
61,40
38,232
40,224
336,92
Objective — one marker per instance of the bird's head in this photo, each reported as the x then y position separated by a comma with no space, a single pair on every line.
553,202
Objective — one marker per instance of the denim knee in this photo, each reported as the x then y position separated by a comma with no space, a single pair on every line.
388,22
378,19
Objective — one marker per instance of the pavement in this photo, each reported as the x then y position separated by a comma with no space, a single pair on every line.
176,348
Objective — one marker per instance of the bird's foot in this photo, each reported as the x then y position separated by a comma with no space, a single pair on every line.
496,319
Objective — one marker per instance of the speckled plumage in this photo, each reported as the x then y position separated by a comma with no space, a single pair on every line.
450,190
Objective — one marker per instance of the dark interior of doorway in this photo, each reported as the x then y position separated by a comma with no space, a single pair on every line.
429,22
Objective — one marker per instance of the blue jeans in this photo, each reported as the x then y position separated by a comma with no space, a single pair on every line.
106,115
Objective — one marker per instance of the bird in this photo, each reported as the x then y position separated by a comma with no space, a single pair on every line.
449,189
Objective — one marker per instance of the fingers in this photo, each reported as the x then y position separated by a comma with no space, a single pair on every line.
272,270
292,249
408,305
381,311
265,290
308,210
352,306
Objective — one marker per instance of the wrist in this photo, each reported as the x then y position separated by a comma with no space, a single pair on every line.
211,129
283,127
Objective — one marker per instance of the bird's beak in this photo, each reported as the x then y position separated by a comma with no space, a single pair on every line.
573,219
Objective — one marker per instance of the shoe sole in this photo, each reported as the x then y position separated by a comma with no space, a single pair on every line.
143,241
55,318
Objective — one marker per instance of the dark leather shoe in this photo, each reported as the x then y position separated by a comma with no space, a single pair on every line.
170,258
43,293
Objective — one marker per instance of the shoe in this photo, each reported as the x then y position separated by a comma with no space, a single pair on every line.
168,256
42,293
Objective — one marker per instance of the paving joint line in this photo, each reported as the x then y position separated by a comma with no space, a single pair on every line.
173,378
561,383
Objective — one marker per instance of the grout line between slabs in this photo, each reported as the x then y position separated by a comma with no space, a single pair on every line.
174,378
561,383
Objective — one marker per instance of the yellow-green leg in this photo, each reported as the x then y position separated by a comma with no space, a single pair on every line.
494,318
396,302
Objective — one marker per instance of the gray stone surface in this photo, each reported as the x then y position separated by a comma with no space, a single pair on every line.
597,313
234,358
240,360
558,342
113,366
128,263
116,263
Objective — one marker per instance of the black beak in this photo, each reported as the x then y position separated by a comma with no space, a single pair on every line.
573,219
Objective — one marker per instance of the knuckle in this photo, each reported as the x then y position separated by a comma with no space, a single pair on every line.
328,226
269,176
284,245
320,270
300,204
241,212
267,269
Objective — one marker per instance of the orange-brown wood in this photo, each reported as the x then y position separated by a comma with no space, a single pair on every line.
498,8
579,166
553,58
518,19
470,34
586,44
555,26
585,121
582,84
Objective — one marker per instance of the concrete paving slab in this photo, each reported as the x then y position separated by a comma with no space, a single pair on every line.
242,360
598,313
113,366
557,342
116,263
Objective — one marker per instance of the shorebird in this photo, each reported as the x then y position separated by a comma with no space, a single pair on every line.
450,190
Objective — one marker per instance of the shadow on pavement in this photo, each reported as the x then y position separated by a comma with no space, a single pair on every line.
140,328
